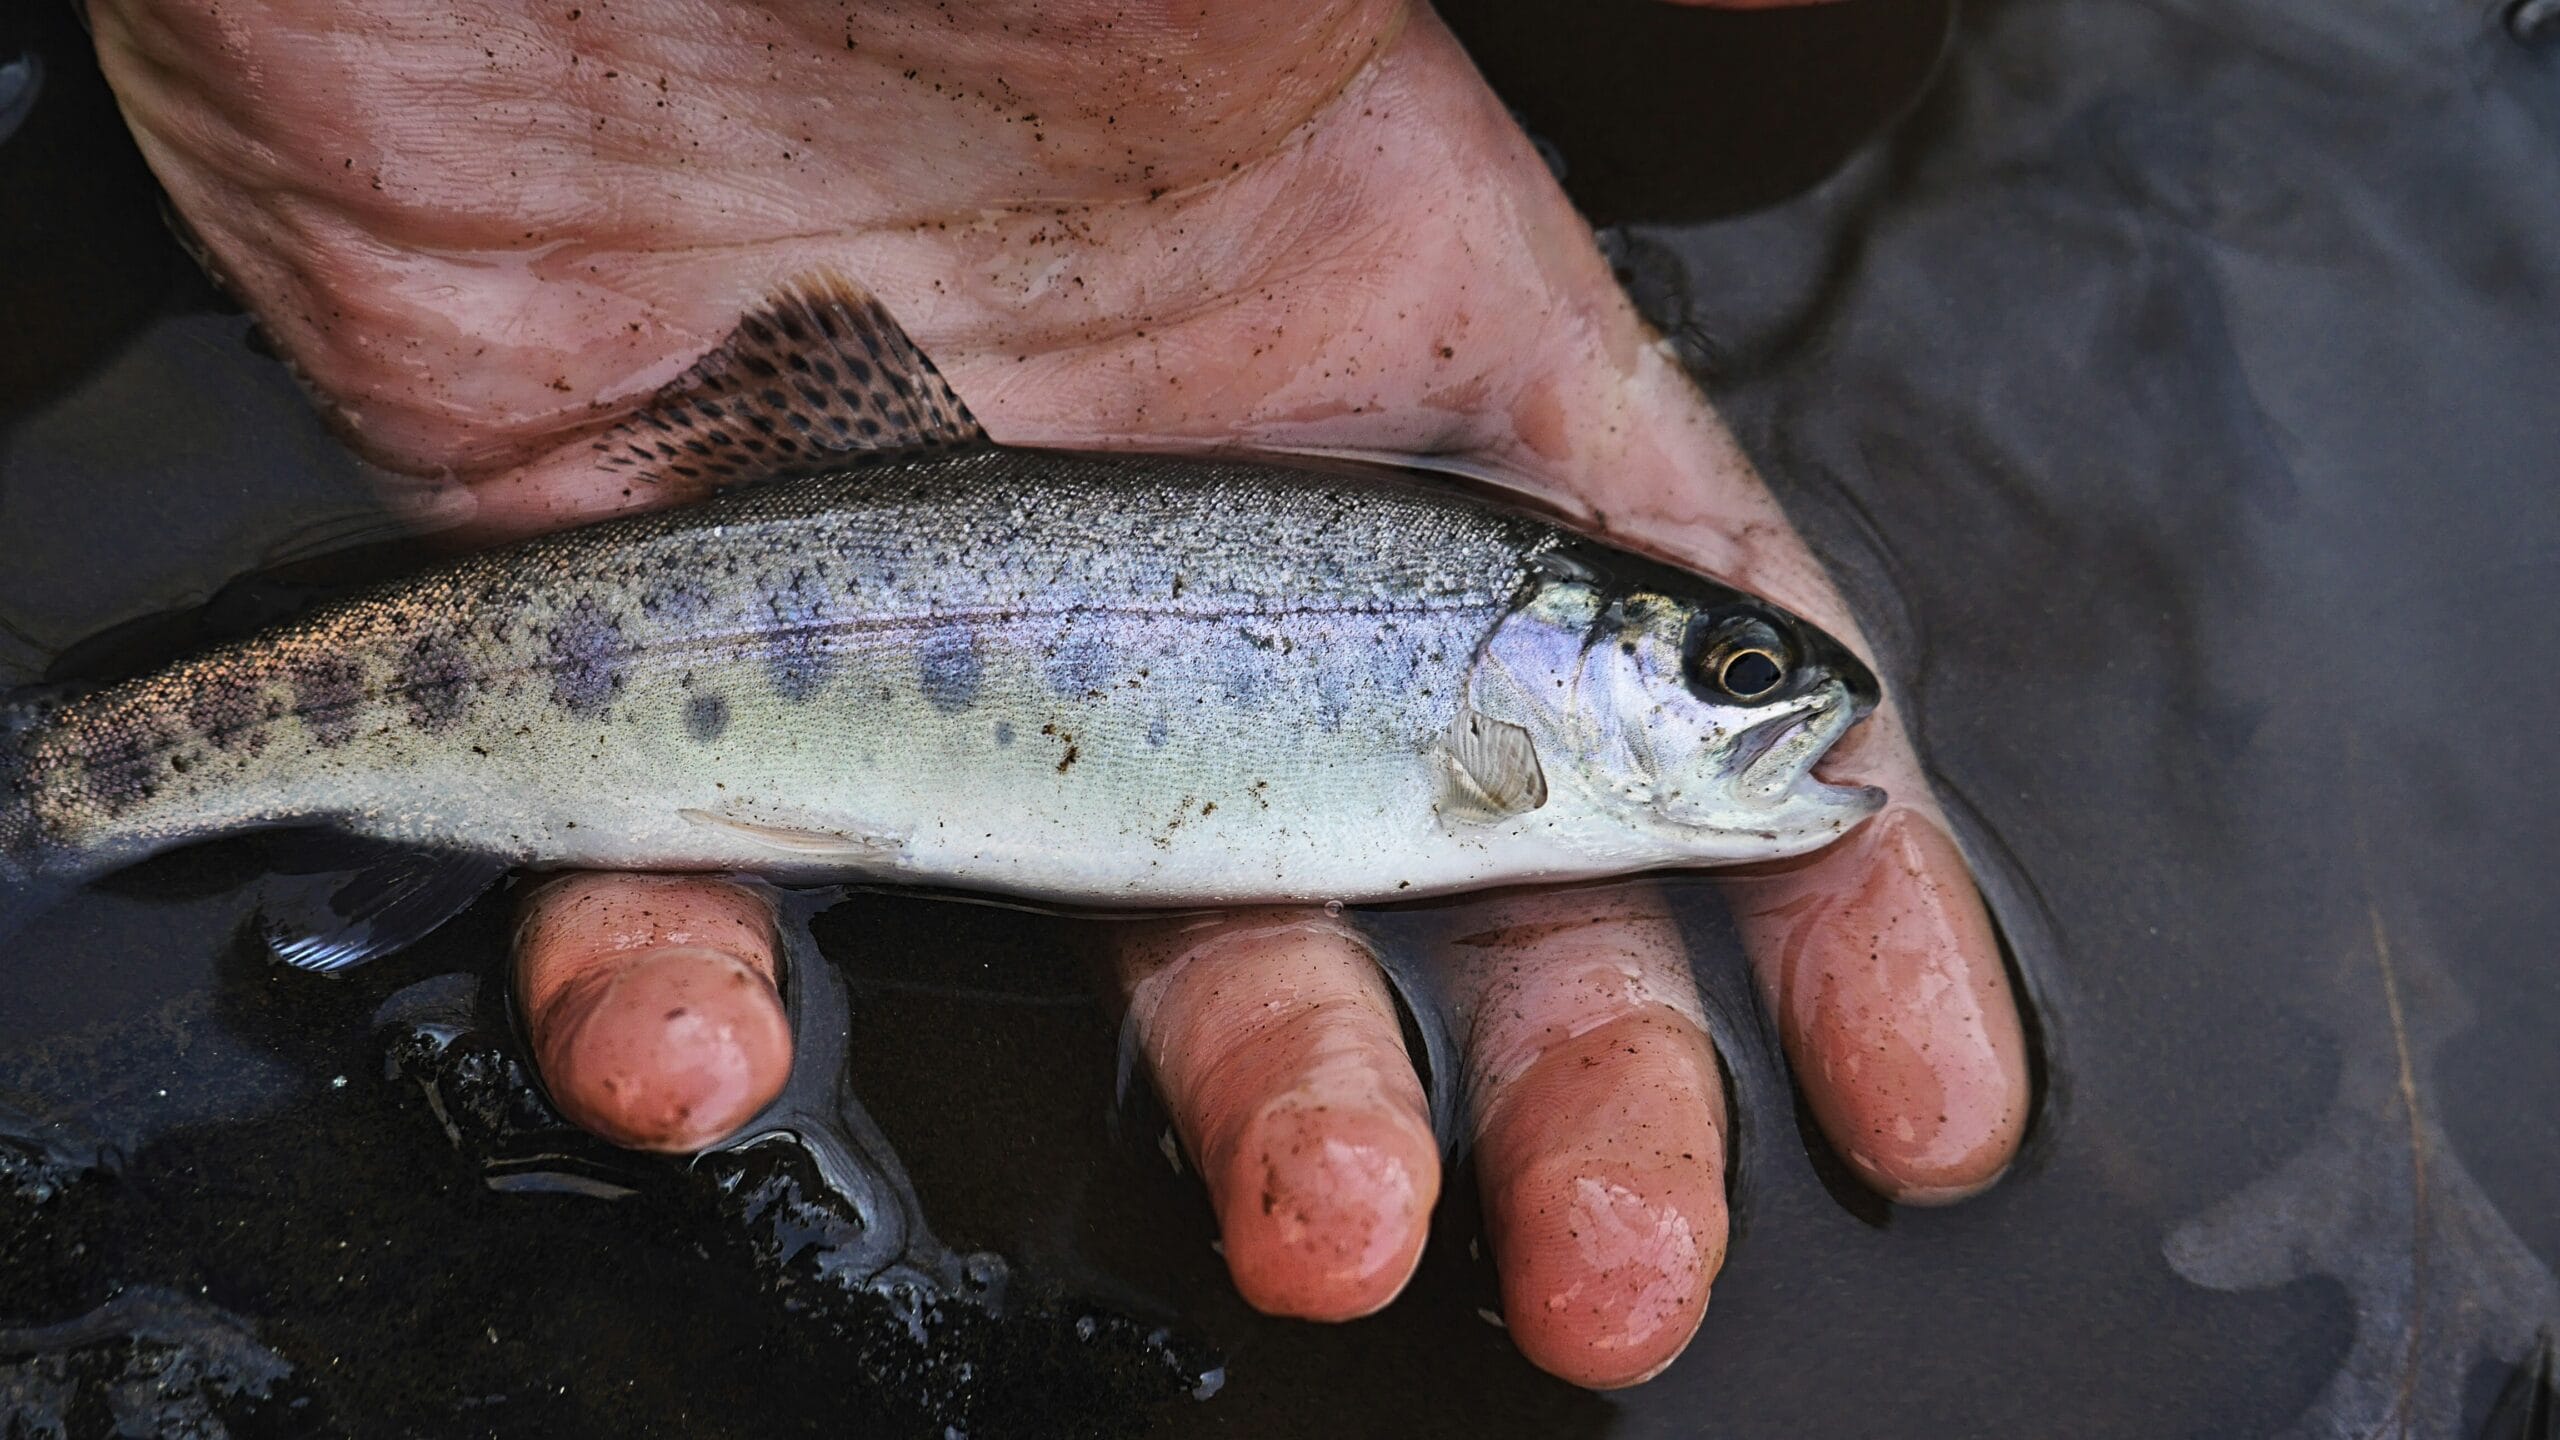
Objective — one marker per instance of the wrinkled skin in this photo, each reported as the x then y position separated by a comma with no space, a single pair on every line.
482,229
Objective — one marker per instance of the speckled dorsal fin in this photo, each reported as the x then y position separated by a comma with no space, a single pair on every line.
814,377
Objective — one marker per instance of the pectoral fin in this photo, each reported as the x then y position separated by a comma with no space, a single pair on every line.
810,381
810,840
1489,770
334,919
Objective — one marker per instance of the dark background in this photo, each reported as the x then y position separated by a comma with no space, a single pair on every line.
2172,383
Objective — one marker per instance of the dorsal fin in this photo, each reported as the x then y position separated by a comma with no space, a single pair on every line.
815,376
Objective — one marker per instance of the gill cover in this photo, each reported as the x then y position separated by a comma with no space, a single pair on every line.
1680,705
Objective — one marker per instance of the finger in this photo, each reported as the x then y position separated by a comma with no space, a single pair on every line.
1599,1128
1880,965
1275,1043
652,1006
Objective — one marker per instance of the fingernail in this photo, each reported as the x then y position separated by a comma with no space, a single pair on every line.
1324,1209
671,1050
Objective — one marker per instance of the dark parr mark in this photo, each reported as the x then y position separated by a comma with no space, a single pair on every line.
435,676
327,690
1241,672
948,669
1336,692
1004,732
796,653
587,654
706,718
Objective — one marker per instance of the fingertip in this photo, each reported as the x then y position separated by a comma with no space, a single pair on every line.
1610,1278
1606,1203
1886,978
1942,1129
1275,1043
652,1007
1323,1210
673,1052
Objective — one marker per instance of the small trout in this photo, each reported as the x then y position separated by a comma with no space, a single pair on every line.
906,654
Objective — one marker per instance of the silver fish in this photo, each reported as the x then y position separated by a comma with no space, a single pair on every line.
907,654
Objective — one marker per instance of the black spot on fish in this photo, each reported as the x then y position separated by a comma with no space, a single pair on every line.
587,655
436,677
1004,732
706,718
675,597
948,669
228,708
1081,663
796,652
327,691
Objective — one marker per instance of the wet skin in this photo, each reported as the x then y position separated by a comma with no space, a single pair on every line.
483,230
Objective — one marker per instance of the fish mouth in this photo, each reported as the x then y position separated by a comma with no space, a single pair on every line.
1846,803
1752,746
1773,761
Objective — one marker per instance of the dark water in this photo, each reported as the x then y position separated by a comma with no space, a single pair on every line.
2172,383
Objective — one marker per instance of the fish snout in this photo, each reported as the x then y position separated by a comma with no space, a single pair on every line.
1827,660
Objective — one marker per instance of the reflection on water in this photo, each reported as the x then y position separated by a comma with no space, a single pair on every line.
2170,388
2172,367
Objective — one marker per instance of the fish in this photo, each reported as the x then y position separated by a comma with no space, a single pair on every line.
886,649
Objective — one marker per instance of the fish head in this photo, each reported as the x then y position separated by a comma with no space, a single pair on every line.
1684,709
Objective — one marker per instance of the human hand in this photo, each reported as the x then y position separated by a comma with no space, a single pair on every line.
483,230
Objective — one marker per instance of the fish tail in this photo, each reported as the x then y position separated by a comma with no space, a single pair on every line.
29,884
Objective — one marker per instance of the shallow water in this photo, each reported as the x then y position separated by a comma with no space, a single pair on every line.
2171,384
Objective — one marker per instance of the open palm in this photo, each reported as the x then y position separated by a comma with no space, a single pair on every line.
484,230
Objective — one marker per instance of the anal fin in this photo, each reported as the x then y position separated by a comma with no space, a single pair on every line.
342,917
812,379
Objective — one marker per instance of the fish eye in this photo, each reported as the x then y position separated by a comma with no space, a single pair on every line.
1737,658
1750,674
